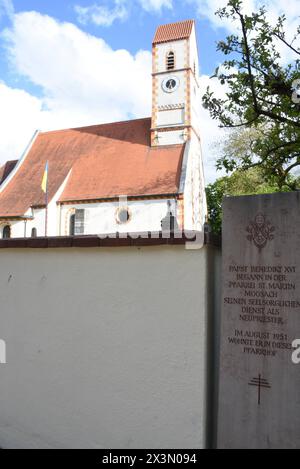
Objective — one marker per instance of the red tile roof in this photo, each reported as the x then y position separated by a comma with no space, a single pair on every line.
173,31
6,169
106,160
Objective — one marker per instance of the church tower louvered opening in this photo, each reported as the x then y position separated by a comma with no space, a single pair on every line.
170,60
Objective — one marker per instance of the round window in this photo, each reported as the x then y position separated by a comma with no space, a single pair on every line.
123,215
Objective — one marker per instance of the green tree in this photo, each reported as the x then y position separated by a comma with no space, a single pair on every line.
262,93
251,181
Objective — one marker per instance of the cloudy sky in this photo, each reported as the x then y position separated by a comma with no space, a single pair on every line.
70,63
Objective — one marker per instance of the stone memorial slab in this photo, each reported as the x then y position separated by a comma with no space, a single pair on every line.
259,378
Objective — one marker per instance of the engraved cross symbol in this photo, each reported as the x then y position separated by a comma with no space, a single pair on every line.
260,383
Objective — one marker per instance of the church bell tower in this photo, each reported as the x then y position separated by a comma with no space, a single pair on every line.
175,87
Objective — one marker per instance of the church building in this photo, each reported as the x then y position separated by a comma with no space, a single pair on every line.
123,176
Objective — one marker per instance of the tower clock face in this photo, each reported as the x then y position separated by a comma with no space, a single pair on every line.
170,84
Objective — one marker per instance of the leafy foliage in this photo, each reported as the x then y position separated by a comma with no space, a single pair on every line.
240,182
262,93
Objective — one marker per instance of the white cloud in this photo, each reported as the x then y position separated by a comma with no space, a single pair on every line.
6,8
20,114
83,80
211,134
155,5
207,9
105,12
102,14
275,8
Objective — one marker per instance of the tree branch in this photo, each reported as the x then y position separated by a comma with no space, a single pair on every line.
248,60
289,168
243,124
286,43
284,120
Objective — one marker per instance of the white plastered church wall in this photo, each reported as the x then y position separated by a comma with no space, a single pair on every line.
195,208
194,84
102,218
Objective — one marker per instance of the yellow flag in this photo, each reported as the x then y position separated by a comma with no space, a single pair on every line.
45,179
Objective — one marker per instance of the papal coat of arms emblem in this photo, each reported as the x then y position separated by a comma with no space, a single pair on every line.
260,231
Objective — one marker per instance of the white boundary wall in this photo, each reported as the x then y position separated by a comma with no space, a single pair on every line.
106,347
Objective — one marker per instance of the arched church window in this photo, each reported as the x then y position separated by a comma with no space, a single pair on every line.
34,233
72,225
170,60
6,232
